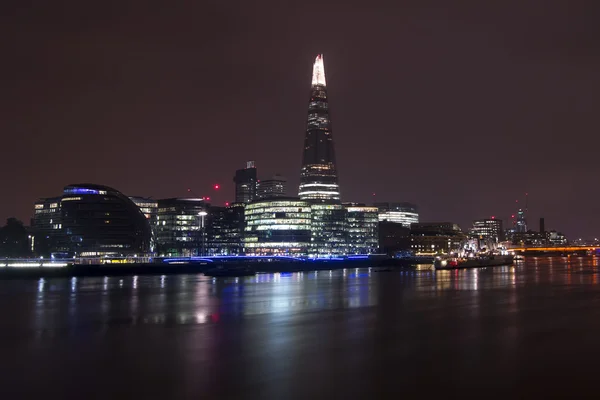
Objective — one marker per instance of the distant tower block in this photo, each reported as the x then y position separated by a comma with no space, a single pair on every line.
245,183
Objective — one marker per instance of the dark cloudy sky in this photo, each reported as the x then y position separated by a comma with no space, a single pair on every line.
459,106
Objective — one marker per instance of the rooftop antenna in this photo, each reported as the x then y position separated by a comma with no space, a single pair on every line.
190,191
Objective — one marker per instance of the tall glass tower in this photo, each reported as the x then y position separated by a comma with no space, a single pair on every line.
318,177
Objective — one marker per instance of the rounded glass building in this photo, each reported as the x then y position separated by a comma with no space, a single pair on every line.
100,221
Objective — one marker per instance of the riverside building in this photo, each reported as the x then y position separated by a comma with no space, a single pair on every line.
181,227
93,221
362,228
278,227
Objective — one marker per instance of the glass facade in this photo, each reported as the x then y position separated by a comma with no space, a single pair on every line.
278,227
149,207
328,230
399,213
225,230
274,187
47,216
181,227
46,226
363,225
245,183
318,176
100,221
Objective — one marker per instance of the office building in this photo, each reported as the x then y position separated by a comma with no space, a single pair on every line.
328,229
269,188
400,213
225,230
431,238
393,237
362,228
180,229
530,238
46,226
149,207
245,183
92,221
318,176
47,215
490,228
290,226
542,225
277,227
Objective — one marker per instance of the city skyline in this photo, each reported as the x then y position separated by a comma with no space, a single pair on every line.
413,112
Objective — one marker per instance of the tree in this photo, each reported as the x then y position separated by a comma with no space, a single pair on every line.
14,239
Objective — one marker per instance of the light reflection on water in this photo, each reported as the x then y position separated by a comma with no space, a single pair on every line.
350,331
196,299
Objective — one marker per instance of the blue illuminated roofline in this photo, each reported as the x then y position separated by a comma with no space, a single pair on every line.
81,191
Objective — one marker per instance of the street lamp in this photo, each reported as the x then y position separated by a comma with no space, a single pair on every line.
202,214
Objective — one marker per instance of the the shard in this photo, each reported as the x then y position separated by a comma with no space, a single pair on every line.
318,177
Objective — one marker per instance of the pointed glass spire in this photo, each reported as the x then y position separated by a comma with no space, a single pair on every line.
318,77
318,176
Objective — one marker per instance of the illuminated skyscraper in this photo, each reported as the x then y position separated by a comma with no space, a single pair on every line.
318,177
521,221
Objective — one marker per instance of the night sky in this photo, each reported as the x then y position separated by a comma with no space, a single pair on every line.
460,107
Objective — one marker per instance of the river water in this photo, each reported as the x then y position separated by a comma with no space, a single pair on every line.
529,330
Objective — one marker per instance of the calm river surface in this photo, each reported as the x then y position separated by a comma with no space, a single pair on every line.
531,330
